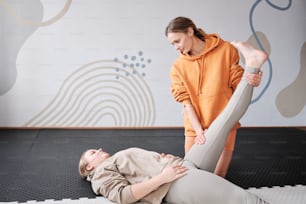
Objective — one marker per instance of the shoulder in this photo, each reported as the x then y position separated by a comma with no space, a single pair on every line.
227,48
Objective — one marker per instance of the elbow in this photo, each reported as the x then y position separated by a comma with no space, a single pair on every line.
125,196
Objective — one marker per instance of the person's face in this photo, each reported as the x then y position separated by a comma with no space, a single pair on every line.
94,157
181,41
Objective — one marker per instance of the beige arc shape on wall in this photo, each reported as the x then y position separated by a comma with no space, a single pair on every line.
28,22
101,93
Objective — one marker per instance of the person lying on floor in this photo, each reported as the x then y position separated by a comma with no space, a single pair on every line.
138,175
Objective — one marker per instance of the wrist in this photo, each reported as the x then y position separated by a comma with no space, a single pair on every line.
200,132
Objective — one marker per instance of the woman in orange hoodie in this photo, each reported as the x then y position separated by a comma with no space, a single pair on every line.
204,77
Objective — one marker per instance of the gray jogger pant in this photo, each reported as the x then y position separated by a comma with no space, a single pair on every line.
201,185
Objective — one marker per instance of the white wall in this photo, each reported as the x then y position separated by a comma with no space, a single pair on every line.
98,63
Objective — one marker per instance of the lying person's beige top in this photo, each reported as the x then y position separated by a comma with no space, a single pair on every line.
113,177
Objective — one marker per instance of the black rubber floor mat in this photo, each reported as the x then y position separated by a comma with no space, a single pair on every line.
266,157
42,164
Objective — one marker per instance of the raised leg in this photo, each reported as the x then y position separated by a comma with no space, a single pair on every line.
206,156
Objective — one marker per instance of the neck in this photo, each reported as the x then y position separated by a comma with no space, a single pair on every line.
197,48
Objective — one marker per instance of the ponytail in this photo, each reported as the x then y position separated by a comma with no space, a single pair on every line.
199,33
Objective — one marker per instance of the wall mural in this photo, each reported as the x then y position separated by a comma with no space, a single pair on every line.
102,93
112,82
17,26
292,99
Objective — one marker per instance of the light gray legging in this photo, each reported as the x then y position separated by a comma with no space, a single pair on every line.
201,185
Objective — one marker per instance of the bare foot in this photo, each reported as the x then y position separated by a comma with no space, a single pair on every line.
253,57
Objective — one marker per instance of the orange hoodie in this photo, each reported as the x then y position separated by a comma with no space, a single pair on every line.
207,81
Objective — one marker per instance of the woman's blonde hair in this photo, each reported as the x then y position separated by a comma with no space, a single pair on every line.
83,165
